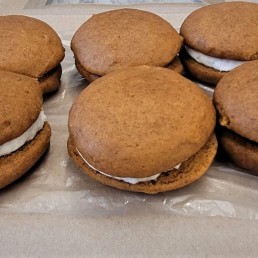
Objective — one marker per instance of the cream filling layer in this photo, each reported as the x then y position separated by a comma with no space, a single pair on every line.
18,142
213,62
130,180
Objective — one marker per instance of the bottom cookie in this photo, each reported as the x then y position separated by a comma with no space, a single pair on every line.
174,65
50,82
200,71
242,152
189,171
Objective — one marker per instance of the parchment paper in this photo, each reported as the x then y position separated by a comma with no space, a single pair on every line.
56,185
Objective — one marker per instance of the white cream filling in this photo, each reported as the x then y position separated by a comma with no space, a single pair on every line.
130,180
213,62
18,142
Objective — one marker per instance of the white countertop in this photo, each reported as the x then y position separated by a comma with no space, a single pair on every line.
151,235
148,236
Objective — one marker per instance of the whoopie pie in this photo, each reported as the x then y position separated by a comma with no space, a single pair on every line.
219,38
125,37
31,47
24,131
235,98
143,129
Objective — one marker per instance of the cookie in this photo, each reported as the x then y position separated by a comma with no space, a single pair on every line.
121,38
139,122
174,65
25,133
235,98
31,47
220,37
241,151
51,80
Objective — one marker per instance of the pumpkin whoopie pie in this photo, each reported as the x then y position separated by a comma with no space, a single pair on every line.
121,38
219,38
235,98
31,47
25,134
143,129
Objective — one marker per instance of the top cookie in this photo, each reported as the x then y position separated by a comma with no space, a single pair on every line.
226,30
20,104
236,97
122,38
28,46
140,121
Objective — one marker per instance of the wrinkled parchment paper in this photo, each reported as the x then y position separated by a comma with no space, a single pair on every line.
56,185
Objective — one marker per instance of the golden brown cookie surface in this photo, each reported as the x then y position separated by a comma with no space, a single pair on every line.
28,46
20,104
225,30
122,38
140,121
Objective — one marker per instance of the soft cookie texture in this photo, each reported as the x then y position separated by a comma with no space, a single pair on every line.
20,106
141,121
30,47
121,38
235,98
225,31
